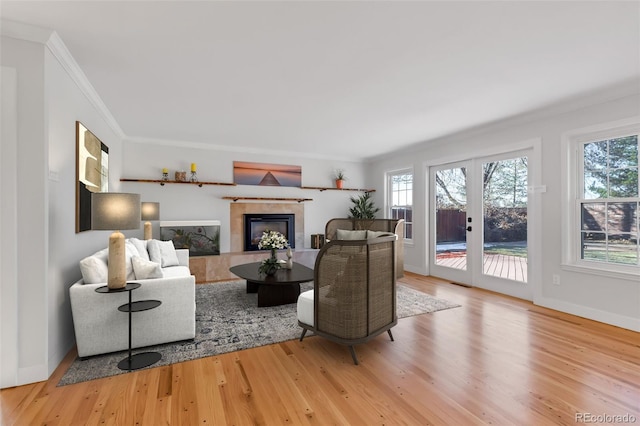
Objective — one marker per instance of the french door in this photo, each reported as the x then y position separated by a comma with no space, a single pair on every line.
479,223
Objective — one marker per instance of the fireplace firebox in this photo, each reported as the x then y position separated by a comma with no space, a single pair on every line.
256,224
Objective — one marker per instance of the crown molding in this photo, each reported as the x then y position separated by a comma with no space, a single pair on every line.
25,32
56,46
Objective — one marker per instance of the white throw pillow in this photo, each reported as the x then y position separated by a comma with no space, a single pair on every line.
141,247
343,234
145,269
94,268
163,252
129,251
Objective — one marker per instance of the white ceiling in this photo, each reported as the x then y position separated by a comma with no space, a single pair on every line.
350,79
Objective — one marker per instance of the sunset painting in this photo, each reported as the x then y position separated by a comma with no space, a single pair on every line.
266,174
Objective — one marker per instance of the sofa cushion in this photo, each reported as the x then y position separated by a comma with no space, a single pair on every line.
94,268
145,269
141,247
163,252
344,234
176,271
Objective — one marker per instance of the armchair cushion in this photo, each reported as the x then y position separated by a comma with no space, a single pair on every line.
344,234
376,234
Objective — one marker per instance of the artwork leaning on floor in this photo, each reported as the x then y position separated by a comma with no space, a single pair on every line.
202,238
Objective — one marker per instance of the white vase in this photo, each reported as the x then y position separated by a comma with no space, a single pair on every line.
289,264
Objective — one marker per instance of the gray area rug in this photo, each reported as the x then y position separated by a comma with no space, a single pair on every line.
228,319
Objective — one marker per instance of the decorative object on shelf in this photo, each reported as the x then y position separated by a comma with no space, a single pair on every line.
340,178
289,262
265,174
115,211
271,240
181,176
165,175
194,177
92,173
317,241
149,211
363,207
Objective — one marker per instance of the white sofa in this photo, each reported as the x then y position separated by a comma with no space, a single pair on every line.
101,328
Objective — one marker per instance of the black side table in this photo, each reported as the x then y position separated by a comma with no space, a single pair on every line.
143,359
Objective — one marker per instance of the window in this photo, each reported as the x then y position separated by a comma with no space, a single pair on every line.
608,199
401,199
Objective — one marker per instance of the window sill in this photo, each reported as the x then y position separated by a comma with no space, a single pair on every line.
603,270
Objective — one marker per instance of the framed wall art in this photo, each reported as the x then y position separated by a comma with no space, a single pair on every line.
266,174
92,173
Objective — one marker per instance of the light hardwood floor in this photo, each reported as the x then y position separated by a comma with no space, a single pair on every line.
495,360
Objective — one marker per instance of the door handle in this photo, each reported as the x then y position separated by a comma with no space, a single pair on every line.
469,228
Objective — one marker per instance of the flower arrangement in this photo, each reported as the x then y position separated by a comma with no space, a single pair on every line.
271,240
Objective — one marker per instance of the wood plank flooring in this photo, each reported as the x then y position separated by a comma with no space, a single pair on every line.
495,360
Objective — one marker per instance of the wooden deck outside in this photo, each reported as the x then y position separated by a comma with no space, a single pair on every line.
497,265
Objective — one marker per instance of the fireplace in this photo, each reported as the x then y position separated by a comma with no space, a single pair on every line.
256,224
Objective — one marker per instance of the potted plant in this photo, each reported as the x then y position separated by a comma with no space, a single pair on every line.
340,178
363,207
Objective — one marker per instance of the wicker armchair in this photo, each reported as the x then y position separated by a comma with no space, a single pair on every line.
395,226
354,294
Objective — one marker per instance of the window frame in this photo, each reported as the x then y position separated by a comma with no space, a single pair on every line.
573,193
390,206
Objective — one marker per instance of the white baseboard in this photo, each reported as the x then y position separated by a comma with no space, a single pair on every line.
630,323
36,373
416,270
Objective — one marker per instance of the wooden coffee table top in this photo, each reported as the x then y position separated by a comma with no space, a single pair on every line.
249,271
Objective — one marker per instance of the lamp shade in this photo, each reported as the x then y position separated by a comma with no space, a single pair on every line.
150,211
115,211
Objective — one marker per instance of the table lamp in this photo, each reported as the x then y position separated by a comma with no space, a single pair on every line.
150,211
115,211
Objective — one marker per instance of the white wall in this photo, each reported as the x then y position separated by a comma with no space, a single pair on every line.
66,103
47,249
189,202
29,249
610,300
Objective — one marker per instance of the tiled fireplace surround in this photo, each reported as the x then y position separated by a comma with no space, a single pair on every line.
216,268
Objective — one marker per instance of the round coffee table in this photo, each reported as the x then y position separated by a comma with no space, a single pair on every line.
279,289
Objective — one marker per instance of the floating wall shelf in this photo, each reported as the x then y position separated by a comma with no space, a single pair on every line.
318,188
299,200
322,188
162,182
